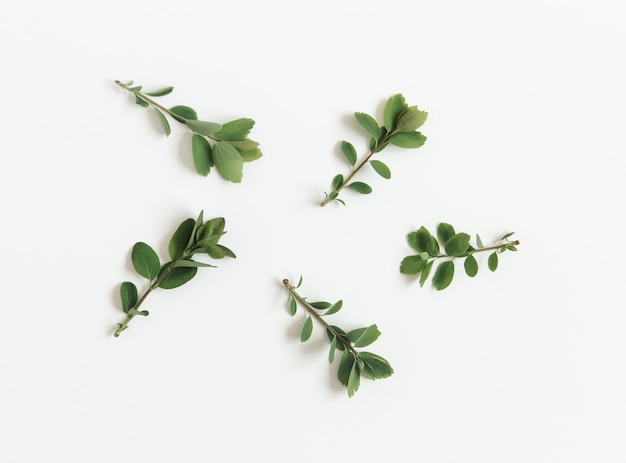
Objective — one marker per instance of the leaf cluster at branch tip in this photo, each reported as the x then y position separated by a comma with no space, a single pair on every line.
353,364
399,128
223,146
192,237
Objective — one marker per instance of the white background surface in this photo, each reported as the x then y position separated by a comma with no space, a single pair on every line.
526,133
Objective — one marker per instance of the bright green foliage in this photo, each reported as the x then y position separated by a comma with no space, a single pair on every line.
193,236
235,148
399,128
353,364
454,246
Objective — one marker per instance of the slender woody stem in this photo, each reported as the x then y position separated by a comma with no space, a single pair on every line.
134,311
151,102
489,248
311,310
379,146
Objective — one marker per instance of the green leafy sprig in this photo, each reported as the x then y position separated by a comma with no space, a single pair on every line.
225,146
400,124
455,246
353,363
192,237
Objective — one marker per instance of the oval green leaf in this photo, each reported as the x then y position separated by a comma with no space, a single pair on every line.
445,231
492,261
164,123
374,366
228,161
161,92
181,238
145,260
293,307
443,275
471,266
128,294
369,124
202,127
426,273
178,276
349,152
411,119
393,108
457,245
368,336
202,154
185,112
408,139
320,305
337,181
412,265
354,380
235,130
345,366
360,187
336,307
381,169
307,329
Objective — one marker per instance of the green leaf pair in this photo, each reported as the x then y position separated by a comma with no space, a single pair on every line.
193,236
455,246
223,146
400,124
353,364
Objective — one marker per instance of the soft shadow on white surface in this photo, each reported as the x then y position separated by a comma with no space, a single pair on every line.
524,134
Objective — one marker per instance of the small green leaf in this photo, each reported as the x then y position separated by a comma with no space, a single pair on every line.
202,127
408,139
293,307
421,240
443,275
349,152
426,273
178,276
128,294
227,252
471,266
228,161
336,307
360,187
445,231
479,242
191,263
162,92
369,124
412,265
181,238
235,130
411,119
457,245
202,154
164,122
141,102
245,144
492,261
365,337
249,155
307,329
299,282
337,181
145,260
381,169
507,236
320,305
354,380
393,108
212,229
510,247
214,251
345,366
375,367
333,348
185,112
